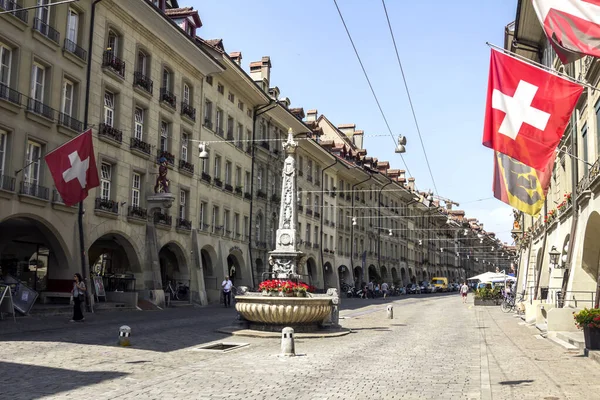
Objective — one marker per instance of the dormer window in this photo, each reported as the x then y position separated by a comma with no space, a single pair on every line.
189,29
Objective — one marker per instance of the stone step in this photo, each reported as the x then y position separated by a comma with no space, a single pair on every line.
180,303
563,343
574,338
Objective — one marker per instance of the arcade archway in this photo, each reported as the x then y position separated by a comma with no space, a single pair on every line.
114,257
34,252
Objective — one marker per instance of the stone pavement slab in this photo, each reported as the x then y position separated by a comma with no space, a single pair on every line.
435,348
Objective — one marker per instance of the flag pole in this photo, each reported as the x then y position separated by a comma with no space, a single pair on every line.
540,66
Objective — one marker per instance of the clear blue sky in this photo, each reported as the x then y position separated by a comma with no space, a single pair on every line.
445,59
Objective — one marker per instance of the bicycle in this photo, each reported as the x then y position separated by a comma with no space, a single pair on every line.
173,292
508,304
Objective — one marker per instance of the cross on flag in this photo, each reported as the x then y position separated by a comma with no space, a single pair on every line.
73,168
572,26
527,110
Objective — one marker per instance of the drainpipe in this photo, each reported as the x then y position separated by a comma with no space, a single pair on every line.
84,266
323,213
575,199
258,110
541,262
379,223
352,225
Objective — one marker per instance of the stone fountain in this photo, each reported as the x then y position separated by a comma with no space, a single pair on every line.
272,313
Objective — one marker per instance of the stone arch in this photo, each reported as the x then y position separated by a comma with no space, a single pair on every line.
358,276
237,270
425,275
115,253
403,276
586,278
373,275
173,264
344,274
210,273
384,274
328,276
395,275
41,253
411,276
311,271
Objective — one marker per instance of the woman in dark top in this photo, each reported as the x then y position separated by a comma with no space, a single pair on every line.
78,293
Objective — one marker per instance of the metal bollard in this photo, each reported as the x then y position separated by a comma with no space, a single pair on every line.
287,342
390,312
124,334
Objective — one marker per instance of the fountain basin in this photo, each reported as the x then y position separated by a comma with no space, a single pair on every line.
273,313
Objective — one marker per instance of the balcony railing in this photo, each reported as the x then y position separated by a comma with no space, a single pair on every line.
40,108
188,111
70,122
107,205
7,183
228,187
46,30
74,49
9,94
184,224
208,123
110,60
186,166
239,190
8,5
168,156
275,198
140,145
248,196
137,212
264,144
590,177
142,81
261,195
168,97
161,218
30,189
110,132
309,178
206,177
218,182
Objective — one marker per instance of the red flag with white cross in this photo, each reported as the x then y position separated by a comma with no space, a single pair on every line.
527,110
73,168
572,26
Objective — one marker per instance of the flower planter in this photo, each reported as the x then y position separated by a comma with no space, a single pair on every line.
592,338
486,302
300,294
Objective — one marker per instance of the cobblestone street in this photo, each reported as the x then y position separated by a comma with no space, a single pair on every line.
435,347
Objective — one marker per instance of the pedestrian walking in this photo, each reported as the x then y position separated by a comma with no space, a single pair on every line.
227,285
464,289
384,288
370,290
78,296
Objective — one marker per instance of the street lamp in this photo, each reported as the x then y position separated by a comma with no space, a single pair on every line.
354,221
202,149
554,255
401,145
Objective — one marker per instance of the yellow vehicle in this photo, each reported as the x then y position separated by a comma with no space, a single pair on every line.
441,284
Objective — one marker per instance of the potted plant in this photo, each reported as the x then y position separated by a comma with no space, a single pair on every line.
588,319
300,290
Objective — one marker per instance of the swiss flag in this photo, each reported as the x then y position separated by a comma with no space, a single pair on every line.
73,168
527,110
572,26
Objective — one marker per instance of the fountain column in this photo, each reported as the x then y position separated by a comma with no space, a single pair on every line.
286,258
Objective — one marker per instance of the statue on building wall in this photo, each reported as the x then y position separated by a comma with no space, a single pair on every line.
516,223
162,182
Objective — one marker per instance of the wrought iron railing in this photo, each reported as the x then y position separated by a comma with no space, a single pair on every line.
140,145
7,183
74,49
142,81
46,30
70,122
184,224
590,177
188,111
110,60
168,97
9,94
186,166
161,218
40,108
137,212
106,205
8,5
168,156
110,132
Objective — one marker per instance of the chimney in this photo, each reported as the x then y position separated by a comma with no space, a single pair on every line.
357,139
347,129
266,69
286,102
411,184
236,57
402,174
312,115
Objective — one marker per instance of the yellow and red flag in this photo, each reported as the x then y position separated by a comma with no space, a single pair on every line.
521,186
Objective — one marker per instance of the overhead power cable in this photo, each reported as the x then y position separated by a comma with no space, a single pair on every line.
370,85
412,108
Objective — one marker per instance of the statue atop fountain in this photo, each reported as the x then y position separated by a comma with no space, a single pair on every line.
286,258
